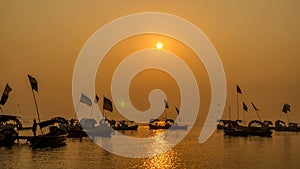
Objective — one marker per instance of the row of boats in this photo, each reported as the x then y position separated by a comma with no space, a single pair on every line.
256,127
55,131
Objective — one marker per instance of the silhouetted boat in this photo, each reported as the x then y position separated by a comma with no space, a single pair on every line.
233,128
91,129
258,128
222,123
54,138
177,126
281,126
9,126
74,129
125,125
160,124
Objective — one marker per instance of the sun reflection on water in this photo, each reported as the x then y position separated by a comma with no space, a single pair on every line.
163,160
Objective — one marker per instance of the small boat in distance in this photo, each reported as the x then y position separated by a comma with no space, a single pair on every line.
91,128
156,124
281,126
125,125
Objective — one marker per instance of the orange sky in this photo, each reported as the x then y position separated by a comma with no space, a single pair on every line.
257,41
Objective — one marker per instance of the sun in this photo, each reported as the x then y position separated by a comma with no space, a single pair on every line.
159,45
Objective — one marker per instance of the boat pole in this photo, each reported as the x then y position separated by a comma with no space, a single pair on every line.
37,109
237,106
2,109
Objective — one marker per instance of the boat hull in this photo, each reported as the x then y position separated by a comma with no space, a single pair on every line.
42,141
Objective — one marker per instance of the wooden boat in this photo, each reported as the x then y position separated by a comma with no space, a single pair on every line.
281,126
9,126
74,129
258,128
54,138
125,125
233,128
177,126
91,129
160,124
222,123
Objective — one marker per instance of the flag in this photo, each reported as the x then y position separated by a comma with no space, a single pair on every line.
245,107
238,89
33,83
96,99
166,104
177,110
86,100
256,109
286,108
107,104
5,94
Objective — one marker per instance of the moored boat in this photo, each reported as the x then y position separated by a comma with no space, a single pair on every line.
54,138
9,126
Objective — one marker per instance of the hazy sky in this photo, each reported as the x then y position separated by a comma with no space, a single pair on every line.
257,41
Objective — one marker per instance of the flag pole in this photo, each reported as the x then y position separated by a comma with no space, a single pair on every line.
257,115
91,111
2,109
237,106
229,112
76,111
37,109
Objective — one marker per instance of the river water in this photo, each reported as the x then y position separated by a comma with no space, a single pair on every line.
280,151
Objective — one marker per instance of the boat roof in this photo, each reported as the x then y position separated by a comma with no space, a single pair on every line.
4,118
53,121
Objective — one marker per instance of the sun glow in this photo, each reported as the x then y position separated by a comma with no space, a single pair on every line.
159,45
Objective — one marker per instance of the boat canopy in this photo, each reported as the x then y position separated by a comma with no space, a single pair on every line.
6,118
53,121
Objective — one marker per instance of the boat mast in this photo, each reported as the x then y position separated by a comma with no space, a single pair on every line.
37,109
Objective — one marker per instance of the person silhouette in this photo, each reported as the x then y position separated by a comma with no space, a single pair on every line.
34,126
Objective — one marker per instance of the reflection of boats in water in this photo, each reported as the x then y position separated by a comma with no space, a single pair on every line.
91,129
160,124
9,126
281,126
124,125
54,138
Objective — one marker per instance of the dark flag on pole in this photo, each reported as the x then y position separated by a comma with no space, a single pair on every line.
245,107
5,94
86,100
177,110
256,109
107,104
238,89
33,83
96,99
286,108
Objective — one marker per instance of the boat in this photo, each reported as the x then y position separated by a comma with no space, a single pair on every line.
74,129
91,128
281,126
55,137
222,123
156,124
125,125
258,128
177,126
233,128
9,126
